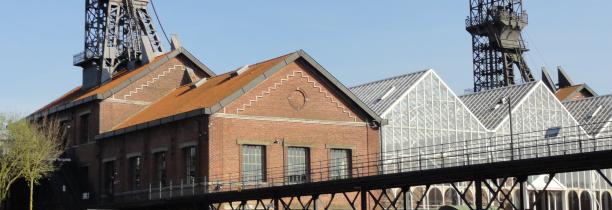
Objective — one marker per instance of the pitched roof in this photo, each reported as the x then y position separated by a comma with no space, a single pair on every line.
79,96
483,104
217,92
568,93
589,114
187,98
391,88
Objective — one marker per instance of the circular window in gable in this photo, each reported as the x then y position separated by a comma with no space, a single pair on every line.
297,99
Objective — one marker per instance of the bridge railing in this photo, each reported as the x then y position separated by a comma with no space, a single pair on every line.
536,144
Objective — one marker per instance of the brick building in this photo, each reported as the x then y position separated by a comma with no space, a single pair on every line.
174,121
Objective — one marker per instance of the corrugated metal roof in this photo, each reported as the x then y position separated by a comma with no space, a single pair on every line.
483,103
584,111
372,92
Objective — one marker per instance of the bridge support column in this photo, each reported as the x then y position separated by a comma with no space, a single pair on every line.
314,202
276,206
204,206
364,199
405,193
522,192
478,196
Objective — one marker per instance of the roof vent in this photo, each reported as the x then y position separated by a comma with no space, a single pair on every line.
387,94
199,83
594,114
502,101
242,70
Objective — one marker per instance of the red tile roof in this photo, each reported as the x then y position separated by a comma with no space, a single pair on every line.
78,93
565,92
187,98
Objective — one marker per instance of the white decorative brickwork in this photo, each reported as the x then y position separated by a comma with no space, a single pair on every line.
310,80
152,81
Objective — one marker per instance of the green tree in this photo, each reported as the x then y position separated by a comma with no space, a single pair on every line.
10,169
38,146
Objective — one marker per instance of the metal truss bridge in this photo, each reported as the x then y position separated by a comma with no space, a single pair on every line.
497,166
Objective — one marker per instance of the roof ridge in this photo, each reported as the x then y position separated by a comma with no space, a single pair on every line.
391,78
260,62
502,88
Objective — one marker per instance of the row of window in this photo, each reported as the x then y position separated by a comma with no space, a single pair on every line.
253,166
83,129
160,177
298,164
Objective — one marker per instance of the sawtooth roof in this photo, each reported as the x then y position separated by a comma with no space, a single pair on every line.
219,91
482,104
371,93
584,112
79,96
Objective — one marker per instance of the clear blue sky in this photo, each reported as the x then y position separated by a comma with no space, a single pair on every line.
356,40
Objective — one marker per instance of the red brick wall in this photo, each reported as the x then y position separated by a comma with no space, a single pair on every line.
157,83
322,122
280,96
172,138
124,104
114,113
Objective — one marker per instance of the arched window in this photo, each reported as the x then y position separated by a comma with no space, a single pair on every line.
416,195
573,201
606,201
485,198
585,201
434,199
469,196
451,197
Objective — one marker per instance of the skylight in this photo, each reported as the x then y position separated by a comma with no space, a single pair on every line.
552,132
387,94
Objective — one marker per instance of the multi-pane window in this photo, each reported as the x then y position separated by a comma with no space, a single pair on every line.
84,128
160,168
190,164
110,174
340,164
253,163
297,164
134,174
83,178
65,131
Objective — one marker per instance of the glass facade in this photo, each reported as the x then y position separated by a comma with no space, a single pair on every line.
253,163
430,115
533,120
340,164
298,160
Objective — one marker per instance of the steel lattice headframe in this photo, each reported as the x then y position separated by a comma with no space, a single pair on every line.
497,43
